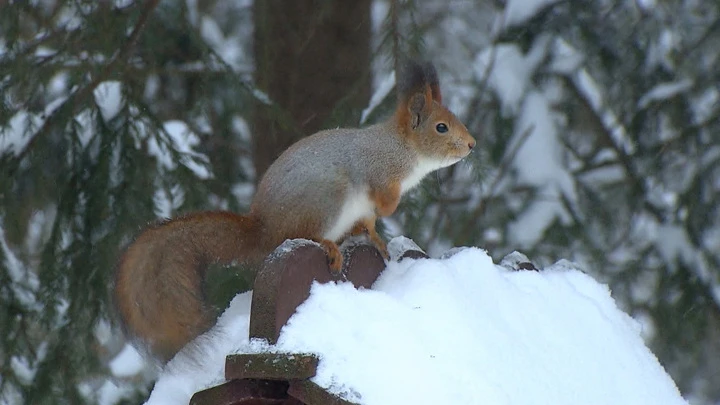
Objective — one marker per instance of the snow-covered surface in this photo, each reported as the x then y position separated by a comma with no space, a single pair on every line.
509,71
519,11
25,284
22,126
127,363
108,97
454,330
664,91
183,141
539,163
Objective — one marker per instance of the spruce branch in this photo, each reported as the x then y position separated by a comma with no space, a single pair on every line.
76,100
504,168
625,159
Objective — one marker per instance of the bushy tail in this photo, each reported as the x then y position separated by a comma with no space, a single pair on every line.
159,278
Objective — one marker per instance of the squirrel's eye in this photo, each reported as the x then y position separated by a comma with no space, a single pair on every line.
441,128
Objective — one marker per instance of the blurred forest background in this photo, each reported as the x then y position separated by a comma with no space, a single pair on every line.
597,121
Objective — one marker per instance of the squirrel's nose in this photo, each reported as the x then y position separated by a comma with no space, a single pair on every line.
471,144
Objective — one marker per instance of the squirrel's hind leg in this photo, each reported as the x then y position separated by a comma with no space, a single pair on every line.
367,225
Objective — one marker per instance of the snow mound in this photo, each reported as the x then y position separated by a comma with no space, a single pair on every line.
454,330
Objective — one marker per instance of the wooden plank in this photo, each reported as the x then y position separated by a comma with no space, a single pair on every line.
243,392
312,394
271,366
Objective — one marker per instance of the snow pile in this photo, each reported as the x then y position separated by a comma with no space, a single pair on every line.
454,330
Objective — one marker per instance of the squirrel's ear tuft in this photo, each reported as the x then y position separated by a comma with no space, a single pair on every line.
417,77
410,79
432,79
417,87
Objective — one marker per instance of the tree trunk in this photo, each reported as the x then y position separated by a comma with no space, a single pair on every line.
312,59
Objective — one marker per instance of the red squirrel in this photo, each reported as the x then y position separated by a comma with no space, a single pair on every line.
323,188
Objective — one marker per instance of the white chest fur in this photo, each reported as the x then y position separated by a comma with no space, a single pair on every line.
357,206
423,167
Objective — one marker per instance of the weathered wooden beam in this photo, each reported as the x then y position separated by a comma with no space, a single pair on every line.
312,394
271,366
244,392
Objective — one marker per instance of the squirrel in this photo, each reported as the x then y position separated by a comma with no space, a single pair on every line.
324,187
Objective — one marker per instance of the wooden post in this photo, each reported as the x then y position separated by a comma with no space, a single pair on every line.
281,286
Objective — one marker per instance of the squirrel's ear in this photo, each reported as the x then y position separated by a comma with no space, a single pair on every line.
419,108
415,92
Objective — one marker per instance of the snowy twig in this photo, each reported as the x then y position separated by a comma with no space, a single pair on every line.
139,68
442,209
503,169
712,118
491,64
281,115
486,74
395,34
715,26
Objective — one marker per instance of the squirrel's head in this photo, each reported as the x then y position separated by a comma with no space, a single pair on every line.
435,132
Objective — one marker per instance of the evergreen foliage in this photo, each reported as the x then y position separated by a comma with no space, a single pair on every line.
114,114
107,114
599,128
